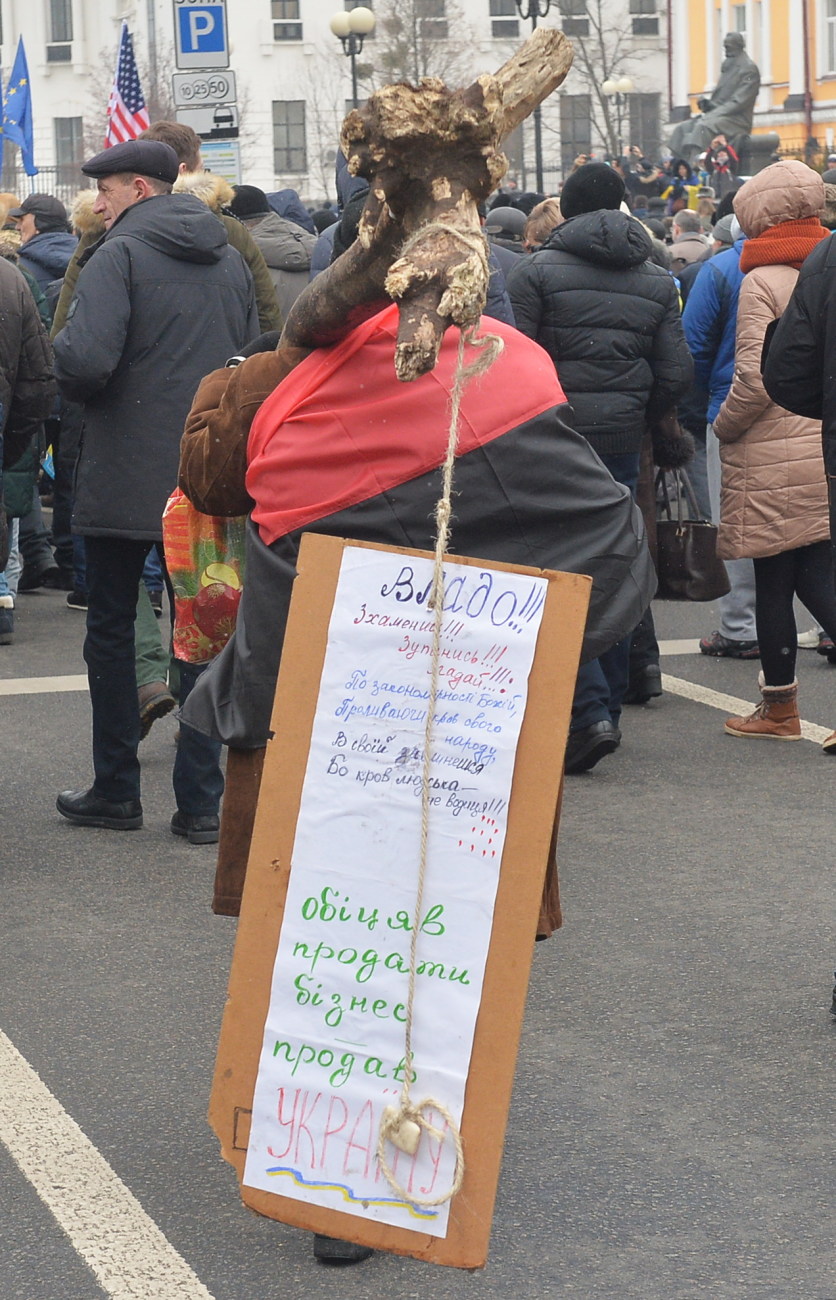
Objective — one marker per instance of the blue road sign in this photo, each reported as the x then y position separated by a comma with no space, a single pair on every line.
200,34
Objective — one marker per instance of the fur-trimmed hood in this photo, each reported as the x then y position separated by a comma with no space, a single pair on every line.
83,218
210,188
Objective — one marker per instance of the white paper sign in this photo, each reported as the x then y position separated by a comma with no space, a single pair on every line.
332,1056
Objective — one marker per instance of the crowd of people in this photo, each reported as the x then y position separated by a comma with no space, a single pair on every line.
629,278
638,311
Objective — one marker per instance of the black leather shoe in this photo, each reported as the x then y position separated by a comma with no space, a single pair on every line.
588,746
645,684
197,830
86,808
331,1250
58,579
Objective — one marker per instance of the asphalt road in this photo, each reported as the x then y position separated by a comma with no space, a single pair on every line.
671,1131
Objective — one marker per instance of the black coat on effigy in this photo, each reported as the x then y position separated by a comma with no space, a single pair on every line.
162,300
609,319
341,447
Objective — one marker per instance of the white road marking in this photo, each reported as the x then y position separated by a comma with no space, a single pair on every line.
730,704
104,1221
679,647
42,685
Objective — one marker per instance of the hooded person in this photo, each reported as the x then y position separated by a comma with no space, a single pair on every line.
609,319
287,204
773,501
348,187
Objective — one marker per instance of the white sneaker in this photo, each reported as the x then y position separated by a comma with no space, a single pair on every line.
809,640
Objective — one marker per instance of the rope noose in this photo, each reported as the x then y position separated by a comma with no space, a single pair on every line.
403,1124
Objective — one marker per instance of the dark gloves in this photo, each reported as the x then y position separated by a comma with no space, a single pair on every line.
673,446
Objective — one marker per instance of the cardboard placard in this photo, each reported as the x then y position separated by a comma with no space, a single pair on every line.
340,796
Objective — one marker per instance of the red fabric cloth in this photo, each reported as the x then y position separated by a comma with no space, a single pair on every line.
787,244
341,428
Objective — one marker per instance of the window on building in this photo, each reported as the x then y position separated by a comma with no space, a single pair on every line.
432,15
59,49
286,24
60,20
575,129
69,148
504,18
644,17
644,117
575,19
289,146
830,35
738,19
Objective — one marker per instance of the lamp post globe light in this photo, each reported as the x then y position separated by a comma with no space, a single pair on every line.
352,26
616,89
535,9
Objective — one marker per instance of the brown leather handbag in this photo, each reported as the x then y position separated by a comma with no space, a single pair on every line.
686,546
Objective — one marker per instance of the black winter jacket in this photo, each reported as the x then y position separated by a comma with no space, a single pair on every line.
27,388
609,320
162,301
799,371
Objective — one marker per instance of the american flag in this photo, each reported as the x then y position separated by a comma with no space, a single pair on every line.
127,116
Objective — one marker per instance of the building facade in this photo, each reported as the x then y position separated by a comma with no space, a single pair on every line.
793,43
294,81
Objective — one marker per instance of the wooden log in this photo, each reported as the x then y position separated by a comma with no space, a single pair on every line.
430,154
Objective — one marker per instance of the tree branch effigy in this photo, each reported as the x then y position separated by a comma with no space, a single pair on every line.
430,155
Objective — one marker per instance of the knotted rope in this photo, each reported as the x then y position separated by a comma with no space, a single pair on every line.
402,1124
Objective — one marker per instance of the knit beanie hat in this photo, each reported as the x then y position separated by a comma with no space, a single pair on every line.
249,201
722,231
590,188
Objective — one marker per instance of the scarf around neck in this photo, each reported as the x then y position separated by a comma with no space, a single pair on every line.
786,244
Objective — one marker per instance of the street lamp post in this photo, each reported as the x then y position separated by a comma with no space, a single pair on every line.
535,9
352,26
616,90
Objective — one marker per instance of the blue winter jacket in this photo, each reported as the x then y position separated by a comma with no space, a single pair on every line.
710,320
46,255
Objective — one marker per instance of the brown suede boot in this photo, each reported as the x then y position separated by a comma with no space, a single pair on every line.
775,718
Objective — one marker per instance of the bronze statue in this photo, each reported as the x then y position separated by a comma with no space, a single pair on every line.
731,107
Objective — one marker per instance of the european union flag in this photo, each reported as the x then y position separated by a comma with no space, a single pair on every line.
17,111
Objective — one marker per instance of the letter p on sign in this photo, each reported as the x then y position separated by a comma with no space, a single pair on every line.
200,24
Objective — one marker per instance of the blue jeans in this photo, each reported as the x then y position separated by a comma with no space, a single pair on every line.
152,573
11,573
114,570
602,683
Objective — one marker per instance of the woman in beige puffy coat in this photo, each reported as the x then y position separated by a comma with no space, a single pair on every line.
773,504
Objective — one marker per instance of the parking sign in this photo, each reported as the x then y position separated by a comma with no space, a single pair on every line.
200,37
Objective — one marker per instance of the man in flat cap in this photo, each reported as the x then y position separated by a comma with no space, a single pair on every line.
162,299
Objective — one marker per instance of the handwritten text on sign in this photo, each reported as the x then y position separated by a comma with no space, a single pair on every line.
332,1056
